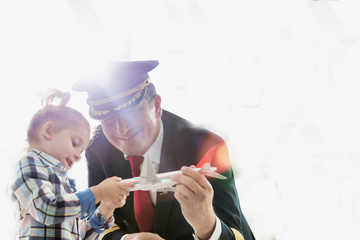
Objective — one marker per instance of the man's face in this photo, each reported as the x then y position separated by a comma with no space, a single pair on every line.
135,129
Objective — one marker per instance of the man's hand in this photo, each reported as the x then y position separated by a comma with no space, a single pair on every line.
195,195
143,236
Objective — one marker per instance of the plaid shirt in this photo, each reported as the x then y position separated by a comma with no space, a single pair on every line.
47,206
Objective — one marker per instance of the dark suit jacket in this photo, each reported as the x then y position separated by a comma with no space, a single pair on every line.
184,144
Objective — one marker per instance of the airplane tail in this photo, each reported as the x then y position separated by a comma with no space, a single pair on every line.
210,171
147,174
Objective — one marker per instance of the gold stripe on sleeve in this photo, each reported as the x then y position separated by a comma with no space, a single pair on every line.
237,234
110,230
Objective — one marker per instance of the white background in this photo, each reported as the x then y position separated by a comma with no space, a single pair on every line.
279,80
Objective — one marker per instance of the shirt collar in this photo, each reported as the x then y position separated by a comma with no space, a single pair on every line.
155,149
50,159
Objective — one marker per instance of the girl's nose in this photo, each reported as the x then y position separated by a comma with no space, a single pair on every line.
77,156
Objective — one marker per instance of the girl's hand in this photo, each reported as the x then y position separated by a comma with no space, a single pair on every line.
106,209
111,190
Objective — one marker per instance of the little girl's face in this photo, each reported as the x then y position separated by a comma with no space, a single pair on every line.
66,145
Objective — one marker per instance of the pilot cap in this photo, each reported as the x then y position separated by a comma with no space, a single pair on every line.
118,85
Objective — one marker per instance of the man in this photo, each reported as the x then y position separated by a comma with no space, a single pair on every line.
134,124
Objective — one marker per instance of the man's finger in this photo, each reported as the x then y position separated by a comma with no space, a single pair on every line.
196,176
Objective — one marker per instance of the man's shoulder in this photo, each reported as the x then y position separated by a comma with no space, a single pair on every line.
178,123
98,139
186,129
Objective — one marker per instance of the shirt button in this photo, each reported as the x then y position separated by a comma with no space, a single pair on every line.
85,214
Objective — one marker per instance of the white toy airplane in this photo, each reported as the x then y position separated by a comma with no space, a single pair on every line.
161,182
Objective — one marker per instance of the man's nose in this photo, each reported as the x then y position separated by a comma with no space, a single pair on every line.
121,126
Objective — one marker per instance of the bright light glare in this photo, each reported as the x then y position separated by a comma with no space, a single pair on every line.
279,80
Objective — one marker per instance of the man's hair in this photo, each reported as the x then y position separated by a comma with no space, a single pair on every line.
150,92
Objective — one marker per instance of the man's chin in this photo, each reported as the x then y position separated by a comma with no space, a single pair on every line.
128,151
132,147
123,147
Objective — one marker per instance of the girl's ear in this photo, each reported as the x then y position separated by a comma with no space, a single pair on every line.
46,129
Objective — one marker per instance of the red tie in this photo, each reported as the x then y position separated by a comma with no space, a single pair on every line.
144,209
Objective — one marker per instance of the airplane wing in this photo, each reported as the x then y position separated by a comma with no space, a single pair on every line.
148,181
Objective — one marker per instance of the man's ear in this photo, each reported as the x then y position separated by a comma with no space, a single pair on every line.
46,129
157,104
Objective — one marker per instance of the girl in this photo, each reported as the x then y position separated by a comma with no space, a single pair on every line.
48,205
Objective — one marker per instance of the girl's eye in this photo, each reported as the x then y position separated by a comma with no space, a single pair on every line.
74,144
